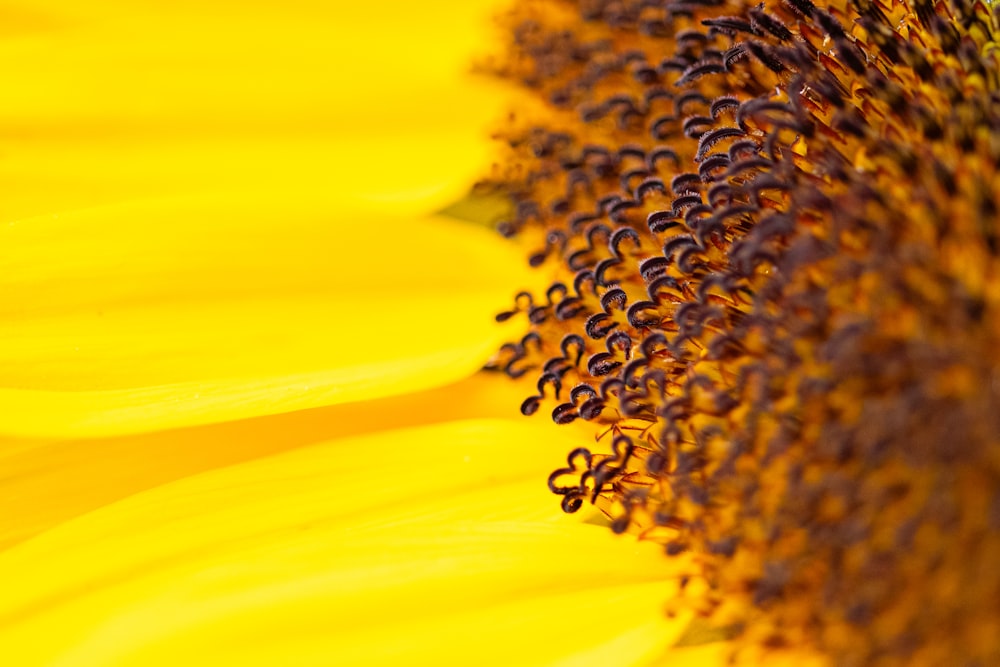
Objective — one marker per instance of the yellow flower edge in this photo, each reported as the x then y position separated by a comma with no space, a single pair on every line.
169,313
433,542
112,101
90,473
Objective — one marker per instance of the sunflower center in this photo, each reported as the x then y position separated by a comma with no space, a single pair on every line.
773,229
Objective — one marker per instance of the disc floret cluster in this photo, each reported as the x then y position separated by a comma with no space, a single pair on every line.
773,231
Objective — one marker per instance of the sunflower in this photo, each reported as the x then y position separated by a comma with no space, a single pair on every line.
772,228
242,423
238,420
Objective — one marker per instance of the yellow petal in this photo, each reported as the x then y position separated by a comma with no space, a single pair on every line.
398,170
172,313
127,101
430,544
91,473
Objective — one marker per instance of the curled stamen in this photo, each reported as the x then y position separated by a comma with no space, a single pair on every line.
619,236
695,126
643,314
689,98
608,469
768,56
662,153
729,25
630,371
661,221
616,212
677,244
666,284
602,364
626,179
569,308
710,164
569,342
613,299
599,325
762,22
523,302
603,267
649,186
564,413
620,340
683,183
699,70
518,355
710,139
803,7
583,277
682,203
653,267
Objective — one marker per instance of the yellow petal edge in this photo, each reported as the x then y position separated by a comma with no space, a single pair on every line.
169,313
435,544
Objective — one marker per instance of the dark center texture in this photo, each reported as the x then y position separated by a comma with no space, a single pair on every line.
773,231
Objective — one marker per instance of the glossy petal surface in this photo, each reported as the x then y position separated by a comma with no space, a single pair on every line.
350,551
112,101
177,312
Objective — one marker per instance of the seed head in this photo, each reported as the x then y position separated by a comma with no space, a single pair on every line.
775,235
